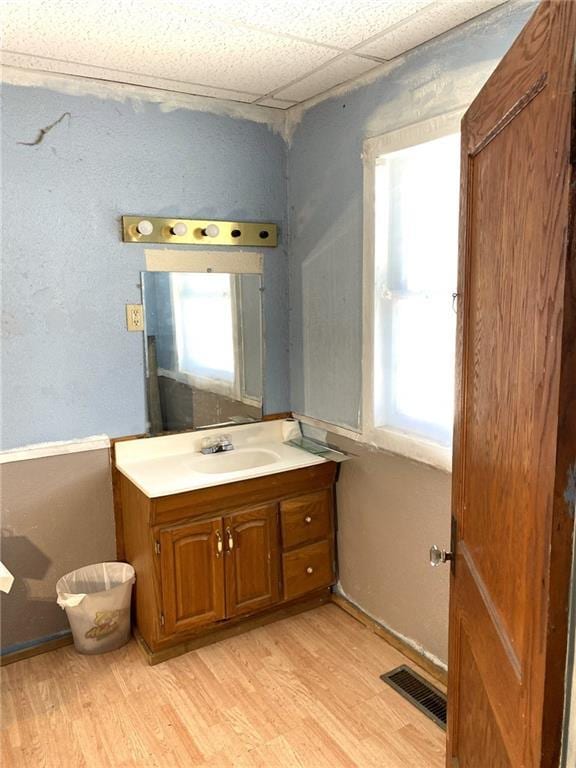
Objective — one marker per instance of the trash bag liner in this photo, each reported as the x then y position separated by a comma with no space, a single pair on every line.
96,599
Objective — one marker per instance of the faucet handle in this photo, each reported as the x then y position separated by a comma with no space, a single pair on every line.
209,444
216,444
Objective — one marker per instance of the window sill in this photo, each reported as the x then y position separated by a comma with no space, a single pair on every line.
398,443
411,447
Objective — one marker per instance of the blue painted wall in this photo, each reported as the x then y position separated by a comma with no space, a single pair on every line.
325,195
69,367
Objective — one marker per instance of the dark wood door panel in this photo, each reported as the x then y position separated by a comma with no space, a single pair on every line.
515,425
495,658
481,745
512,375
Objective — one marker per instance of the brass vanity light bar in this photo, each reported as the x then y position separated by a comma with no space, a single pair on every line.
154,229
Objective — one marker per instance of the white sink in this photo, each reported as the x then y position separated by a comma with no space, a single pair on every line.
232,461
161,466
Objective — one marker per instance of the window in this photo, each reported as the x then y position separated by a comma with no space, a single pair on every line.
412,195
205,348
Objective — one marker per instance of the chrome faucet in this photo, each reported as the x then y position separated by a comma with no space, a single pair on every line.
217,444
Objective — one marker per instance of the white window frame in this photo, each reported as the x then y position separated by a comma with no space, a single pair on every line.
393,440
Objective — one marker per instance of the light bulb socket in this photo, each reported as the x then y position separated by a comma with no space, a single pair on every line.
212,230
145,227
179,229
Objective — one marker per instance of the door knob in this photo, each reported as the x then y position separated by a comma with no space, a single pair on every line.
439,556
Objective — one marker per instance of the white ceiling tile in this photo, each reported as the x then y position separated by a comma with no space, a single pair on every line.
162,40
23,61
341,69
433,21
229,49
276,103
340,23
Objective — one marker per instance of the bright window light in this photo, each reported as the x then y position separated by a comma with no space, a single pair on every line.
415,273
203,318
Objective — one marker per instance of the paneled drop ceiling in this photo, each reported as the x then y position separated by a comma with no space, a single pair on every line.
276,53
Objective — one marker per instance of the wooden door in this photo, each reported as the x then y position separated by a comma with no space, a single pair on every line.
251,542
515,439
192,568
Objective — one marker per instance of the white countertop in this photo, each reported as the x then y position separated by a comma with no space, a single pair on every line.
162,466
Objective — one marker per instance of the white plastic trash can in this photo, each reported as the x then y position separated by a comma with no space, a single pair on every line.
96,599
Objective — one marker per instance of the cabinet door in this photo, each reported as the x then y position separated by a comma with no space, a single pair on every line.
192,567
252,575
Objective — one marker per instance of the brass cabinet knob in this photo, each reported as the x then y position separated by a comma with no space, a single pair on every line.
308,519
219,546
309,569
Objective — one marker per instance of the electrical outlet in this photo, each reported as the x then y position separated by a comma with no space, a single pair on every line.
134,317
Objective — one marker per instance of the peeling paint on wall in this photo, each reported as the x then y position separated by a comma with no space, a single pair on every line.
295,114
283,122
442,92
440,82
138,96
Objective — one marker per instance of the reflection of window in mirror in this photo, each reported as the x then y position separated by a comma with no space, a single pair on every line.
203,348
205,318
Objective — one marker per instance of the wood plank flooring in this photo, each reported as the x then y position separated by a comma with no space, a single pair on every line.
302,692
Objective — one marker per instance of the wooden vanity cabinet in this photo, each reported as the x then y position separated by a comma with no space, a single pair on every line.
211,558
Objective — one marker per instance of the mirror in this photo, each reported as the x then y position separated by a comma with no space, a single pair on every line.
203,340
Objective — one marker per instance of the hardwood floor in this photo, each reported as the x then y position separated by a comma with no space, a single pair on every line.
304,691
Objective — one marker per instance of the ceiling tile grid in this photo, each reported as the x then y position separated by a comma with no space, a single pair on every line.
432,21
91,71
337,71
339,24
274,54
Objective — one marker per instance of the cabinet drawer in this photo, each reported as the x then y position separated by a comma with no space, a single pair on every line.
306,518
307,569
